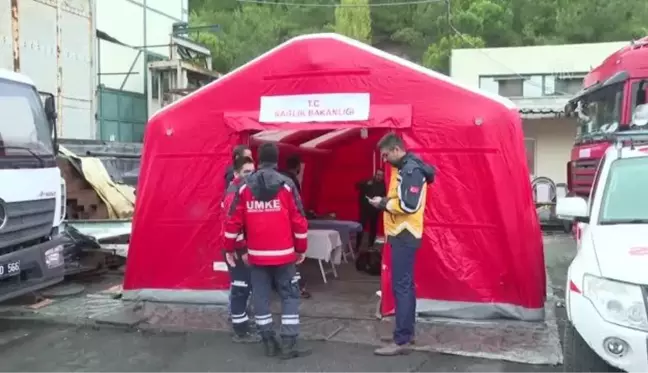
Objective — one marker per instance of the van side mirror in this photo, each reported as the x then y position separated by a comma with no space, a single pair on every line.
50,108
572,208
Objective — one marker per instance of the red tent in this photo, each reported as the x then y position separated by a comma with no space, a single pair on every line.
329,98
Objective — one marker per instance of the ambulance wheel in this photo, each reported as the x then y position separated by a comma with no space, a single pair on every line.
579,357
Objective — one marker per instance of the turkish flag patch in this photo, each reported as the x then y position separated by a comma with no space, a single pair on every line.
414,189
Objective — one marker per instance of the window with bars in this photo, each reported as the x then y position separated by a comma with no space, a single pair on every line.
155,80
534,85
568,86
511,87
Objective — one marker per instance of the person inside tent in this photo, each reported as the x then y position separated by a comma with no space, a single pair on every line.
374,187
239,151
292,171
237,261
269,209
404,209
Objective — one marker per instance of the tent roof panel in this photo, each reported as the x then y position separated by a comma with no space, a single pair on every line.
328,136
359,45
273,135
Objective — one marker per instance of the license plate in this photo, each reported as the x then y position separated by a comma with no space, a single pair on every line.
9,269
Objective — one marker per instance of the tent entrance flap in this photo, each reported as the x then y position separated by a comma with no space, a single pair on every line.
380,116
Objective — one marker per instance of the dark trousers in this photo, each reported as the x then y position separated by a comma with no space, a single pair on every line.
302,281
368,218
403,253
239,295
286,282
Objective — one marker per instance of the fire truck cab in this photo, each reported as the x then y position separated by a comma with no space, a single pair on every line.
614,93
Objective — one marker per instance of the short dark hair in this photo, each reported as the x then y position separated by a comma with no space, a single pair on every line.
240,162
293,162
391,141
239,150
268,153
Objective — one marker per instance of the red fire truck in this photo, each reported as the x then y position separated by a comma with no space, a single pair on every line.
613,93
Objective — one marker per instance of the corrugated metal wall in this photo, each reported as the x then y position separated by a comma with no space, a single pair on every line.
52,42
146,24
122,115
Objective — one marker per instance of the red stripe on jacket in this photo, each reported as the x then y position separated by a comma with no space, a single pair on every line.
226,205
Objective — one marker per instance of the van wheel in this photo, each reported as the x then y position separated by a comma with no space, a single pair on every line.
579,357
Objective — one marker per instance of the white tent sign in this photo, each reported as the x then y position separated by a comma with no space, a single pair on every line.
331,107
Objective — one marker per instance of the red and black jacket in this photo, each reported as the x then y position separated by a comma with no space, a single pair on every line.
268,206
226,204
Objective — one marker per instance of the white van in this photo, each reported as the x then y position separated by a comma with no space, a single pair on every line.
607,282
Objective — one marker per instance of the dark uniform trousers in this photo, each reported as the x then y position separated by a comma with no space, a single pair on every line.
239,294
286,282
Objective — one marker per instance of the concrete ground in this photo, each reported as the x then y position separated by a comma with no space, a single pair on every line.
36,346
559,252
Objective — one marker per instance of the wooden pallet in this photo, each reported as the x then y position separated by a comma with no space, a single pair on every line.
82,201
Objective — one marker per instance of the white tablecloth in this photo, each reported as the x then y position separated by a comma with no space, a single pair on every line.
324,244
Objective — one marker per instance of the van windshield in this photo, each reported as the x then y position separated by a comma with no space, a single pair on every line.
24,128
625,199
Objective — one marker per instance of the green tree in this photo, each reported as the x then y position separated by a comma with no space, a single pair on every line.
495,23
247,30
420,31
307,20
388,20
437,56
353,19
598,20
535,21
245,33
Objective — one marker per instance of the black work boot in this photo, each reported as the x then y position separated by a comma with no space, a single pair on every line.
290,349
271,346
246,337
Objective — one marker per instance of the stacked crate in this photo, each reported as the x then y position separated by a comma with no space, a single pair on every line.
83,202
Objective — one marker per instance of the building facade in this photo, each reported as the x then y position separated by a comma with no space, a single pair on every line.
540,80
130,34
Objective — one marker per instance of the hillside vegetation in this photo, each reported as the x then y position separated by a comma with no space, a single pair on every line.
424,32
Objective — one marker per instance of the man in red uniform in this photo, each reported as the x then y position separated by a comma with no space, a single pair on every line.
236,261
239,151
268,207
292,171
